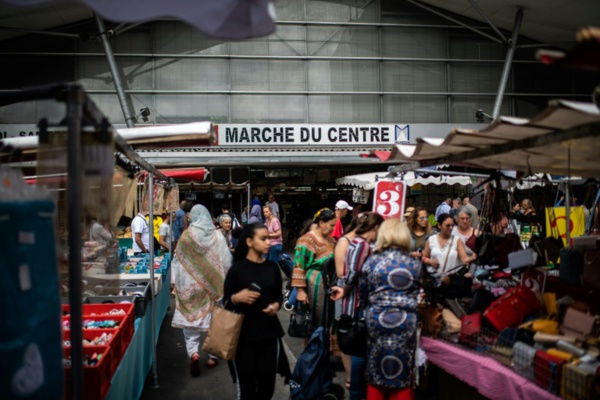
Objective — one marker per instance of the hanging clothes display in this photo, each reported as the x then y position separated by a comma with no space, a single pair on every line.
30,327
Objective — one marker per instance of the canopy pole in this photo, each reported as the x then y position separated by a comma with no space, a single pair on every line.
568,200
512,43
151,269
75,98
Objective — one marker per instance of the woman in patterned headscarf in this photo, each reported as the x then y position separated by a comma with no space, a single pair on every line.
201,261
388,292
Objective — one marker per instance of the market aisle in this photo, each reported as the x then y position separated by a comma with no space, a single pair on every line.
175,382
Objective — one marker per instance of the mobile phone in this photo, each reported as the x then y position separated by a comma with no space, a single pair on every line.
254,287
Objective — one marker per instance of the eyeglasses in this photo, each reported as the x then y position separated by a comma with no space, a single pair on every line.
448,226
423,218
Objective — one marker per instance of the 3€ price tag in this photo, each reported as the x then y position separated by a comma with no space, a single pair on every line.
389,199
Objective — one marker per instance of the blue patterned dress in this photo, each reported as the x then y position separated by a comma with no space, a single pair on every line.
388,291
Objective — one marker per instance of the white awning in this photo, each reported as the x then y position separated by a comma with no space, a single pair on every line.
368,181
156,136
562,140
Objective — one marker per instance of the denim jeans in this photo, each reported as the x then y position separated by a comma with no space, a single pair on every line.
275,252
358,382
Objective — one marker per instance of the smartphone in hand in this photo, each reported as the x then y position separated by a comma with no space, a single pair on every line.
254,288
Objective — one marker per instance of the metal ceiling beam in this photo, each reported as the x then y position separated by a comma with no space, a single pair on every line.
484,16
129,119
438,13
508,63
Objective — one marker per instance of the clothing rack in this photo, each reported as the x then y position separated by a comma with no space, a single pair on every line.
82,111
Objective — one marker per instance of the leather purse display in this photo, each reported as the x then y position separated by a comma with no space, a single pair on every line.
470,326
451,321
352,336
300,323
577,324
548,371
511,308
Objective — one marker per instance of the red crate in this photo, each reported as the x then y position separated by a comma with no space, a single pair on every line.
119,319
96,378
100,309
116,344
126,327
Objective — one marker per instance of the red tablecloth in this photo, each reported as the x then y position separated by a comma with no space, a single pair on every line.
487,375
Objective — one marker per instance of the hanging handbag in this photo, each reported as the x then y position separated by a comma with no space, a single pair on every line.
300,322
352,336
223,333
571,265
552,244
591,269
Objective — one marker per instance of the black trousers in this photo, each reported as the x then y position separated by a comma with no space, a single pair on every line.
255,367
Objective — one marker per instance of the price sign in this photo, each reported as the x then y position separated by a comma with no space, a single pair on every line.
389,198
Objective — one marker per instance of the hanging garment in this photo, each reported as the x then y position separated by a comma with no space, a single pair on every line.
30,327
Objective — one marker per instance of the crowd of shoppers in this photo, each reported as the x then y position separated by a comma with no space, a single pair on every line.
371,267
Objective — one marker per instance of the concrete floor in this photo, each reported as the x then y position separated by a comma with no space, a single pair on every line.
175,382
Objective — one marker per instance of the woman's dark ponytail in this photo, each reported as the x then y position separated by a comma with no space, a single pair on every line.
248,231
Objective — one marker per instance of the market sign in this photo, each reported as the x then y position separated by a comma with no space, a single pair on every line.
311,134
388,199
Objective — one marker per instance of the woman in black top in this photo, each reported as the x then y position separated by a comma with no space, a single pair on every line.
253,286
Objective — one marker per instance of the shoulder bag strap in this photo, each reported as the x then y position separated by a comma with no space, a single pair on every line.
448,253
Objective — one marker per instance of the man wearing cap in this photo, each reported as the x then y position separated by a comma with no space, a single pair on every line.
341,209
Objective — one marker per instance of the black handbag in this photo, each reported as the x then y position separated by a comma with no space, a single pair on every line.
352,336
300,322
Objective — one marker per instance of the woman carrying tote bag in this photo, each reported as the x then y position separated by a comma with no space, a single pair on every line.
253,288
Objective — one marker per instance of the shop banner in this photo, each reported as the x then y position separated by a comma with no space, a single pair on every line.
556,221
311,134
389,198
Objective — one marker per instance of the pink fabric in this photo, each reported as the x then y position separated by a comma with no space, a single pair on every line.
487,375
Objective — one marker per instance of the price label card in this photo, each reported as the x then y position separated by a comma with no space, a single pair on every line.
389,198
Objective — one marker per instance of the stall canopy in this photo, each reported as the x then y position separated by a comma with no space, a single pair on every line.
189,175
226,19
195,134
369,181
562,140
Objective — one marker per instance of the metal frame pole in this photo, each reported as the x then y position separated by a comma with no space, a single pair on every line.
508,63
129,119
74,117
151,269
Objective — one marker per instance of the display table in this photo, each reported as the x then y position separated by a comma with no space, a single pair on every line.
129,378
488,376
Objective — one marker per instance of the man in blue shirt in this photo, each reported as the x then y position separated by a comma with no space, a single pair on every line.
443,208
180,222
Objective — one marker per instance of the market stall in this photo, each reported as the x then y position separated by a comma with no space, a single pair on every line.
89,171
529,319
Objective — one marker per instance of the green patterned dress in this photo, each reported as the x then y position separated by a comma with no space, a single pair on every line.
309,260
